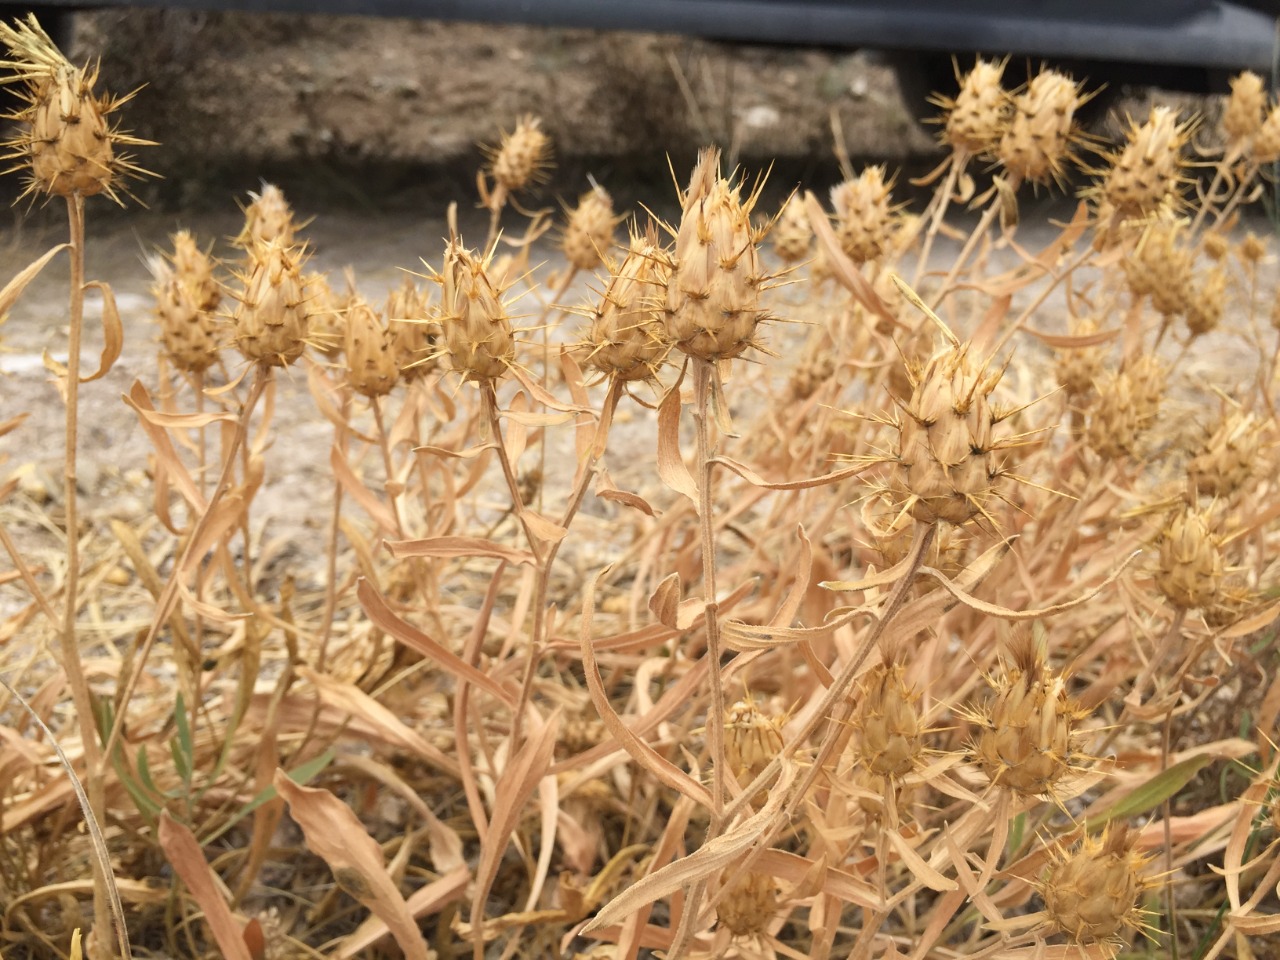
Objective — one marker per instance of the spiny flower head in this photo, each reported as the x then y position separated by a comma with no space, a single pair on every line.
714,291
974,121
272,316
864,213
1028,738
1037,143
627,339
66,139
371,361
1245,107
945,451
792,234
1190,565
588,234
267,217
1146,174
1091,891
476,327
415,328
522,157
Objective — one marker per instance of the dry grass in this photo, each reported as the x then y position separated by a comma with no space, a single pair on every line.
877,645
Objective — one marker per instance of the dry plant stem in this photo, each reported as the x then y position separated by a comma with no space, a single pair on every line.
980,231
335,527
70,646
838,690
168,599
702,377
489,400
1218,174
28,580
942,199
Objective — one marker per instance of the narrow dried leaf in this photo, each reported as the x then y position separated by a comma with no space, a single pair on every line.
13,289
753,478
382,616
183,852
457,547
369,502
514,788
351,699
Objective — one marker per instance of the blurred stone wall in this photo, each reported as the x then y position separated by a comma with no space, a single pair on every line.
225,89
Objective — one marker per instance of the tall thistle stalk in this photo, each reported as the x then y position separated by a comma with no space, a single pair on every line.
69,146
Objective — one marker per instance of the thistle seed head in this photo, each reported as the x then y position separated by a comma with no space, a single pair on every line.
1036,146
371,360
792,234
1264,148
588,234
749,904
1245,108
273,309
713,303
1190,565
627,339
976,118
1077,369
1027,738
1091,891
267,217
1229,457
473,317
865,222
945,451
414,327
188,330
888,731
1146,175
522,157
66,139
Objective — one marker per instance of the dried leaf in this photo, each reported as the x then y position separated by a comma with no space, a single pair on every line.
377,510
112,332
457,547
351,699
13,289
671,466
665,601
413,638
183,852
336,835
